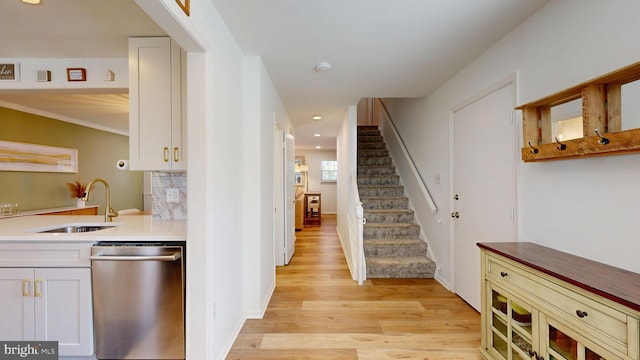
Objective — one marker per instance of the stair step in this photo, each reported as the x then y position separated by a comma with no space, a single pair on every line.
384,202
395,247
380,191
389,216
371,145
367,126
390,231
380,180
376,161
369,132
369,153
376,170
370,138
400,267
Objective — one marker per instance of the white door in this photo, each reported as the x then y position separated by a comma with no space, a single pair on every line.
279,208
290,191
484,184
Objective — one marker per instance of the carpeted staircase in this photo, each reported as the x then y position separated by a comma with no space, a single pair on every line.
392,246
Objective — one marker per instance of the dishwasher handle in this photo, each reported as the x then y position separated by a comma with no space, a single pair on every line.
172,257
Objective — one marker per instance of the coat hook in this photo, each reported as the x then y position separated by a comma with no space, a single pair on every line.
562,146
603,140
533,150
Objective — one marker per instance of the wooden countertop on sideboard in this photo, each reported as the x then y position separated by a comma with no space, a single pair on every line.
615,284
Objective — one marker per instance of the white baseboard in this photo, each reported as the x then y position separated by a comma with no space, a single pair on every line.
264,306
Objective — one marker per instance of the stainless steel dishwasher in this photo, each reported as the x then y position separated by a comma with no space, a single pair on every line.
138,300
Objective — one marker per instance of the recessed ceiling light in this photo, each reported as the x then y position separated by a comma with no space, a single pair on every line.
316,135
322,67
317,117
32,2
318,147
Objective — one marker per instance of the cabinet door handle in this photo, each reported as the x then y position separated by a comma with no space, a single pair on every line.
581,313
175,154
503,274
26,286
37,286
533,353
166,154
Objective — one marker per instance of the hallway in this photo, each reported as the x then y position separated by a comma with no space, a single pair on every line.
317,312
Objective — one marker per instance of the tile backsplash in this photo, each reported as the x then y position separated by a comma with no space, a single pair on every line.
162,209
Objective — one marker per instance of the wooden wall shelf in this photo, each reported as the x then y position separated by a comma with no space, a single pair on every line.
623,142
601,109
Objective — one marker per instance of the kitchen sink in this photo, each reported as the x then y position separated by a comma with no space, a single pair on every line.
75,229
72,228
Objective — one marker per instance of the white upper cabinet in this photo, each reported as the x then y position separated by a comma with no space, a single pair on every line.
157,128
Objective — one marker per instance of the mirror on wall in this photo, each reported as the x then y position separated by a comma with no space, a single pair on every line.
566,120
630,107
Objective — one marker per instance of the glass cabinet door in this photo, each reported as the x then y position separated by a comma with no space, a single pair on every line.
562,345
511,334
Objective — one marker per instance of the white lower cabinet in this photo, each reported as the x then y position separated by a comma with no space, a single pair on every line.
48,304
529,313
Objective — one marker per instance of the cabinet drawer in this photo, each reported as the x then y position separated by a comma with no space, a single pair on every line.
45,255
608,325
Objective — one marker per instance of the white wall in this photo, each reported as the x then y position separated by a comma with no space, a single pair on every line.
587,207
346,154
262,107
328,189
228,94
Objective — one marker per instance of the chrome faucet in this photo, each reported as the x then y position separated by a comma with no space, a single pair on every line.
109,213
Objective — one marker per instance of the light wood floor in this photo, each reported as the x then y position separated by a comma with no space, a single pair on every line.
318,312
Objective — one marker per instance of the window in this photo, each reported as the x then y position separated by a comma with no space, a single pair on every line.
328,171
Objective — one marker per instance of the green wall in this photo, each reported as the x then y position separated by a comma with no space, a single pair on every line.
98,152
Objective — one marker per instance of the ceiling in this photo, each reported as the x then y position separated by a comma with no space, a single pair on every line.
377,48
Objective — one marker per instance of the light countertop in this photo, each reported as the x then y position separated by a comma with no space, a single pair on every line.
128,228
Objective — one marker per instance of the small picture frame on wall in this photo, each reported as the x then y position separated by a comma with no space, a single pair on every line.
298,178
184,5
9,71
76,74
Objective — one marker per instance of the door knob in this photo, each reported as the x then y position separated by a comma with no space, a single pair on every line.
455,215
456,197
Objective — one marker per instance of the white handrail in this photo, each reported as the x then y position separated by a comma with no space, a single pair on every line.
359,221
414,170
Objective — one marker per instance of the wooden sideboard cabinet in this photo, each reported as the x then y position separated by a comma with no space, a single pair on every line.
540,303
